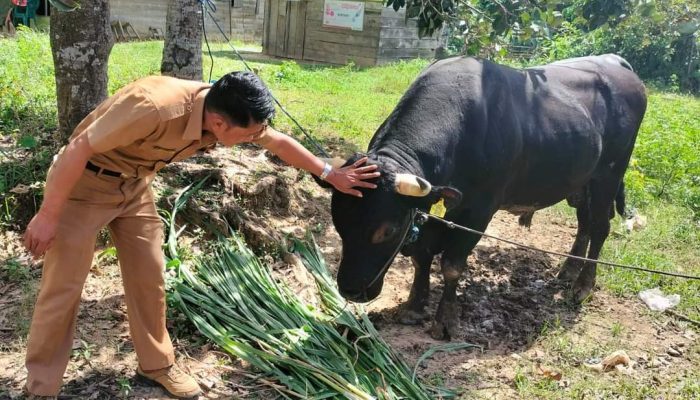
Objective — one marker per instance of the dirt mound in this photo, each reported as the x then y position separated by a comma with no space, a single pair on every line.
248,190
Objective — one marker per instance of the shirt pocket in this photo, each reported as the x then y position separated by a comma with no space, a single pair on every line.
157,152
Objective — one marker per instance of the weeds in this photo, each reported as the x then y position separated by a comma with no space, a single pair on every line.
107,256
124,387
84,351
616,329
15,271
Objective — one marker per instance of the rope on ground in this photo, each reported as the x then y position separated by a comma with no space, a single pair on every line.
452,225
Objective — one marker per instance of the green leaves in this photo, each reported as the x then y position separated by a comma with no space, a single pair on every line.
509,20
396,4
65,5
27,142
320,349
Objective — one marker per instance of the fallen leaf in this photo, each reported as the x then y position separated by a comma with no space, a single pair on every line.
617,358
548,372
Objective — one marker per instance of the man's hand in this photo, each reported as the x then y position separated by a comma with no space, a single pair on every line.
65,172
353,176
40,233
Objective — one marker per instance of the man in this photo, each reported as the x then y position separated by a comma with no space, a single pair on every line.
102,177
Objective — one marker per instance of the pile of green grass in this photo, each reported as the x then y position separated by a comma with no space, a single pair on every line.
315,351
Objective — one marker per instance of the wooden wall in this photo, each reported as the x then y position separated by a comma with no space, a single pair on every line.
141,14
223,19
247,18
241,21
284,28
398,38
294,29
341,46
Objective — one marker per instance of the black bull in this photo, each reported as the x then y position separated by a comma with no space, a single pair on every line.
489,137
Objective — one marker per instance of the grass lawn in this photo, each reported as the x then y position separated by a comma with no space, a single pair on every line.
663,182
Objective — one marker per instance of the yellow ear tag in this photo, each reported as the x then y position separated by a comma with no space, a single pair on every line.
438,209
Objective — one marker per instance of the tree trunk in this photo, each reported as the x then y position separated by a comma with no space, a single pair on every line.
182,51
81,41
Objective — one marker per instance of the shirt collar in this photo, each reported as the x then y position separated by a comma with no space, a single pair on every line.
193,130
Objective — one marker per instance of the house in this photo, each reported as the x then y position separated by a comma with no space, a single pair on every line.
239,19
332,31
337,31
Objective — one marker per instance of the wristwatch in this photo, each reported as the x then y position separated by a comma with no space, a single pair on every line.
326,170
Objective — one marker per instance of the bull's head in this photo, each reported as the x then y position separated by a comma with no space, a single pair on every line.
372,228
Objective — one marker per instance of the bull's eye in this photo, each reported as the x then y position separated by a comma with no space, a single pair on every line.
385,232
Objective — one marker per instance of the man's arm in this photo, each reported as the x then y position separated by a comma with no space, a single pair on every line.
63,176
293,153
118,121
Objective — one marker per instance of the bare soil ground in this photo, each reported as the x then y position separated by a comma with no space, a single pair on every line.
512,304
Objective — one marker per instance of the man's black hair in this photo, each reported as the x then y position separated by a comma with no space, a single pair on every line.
242,97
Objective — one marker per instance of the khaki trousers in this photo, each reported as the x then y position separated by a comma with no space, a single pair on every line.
126,206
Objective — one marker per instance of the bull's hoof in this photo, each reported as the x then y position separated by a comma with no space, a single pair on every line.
569,271
582,289
410,317
444,330
446,324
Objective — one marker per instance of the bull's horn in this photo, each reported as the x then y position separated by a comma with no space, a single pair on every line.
411,185
335,162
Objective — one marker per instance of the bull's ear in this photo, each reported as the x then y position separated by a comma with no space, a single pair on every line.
451,196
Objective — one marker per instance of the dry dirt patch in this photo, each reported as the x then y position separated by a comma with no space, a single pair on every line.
512,305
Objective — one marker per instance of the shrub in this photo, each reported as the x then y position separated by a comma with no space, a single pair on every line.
661,44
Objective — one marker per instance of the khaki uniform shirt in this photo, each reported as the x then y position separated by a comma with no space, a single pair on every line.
147,125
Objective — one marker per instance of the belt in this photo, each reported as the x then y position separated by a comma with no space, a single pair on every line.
102,171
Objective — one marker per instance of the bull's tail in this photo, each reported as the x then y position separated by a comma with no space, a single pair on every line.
620,200
526,219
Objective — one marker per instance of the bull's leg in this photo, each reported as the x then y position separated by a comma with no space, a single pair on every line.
454,262
572,267
413,311
446,322
602,198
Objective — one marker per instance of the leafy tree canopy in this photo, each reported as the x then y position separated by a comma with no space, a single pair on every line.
522,19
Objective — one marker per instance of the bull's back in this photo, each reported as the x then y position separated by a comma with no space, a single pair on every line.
569,119
531,136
